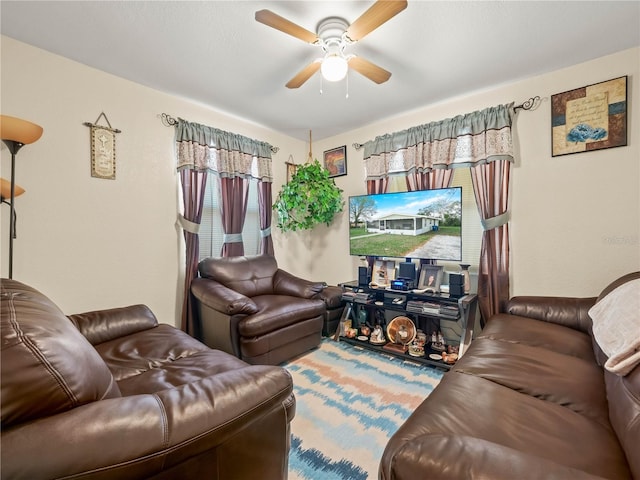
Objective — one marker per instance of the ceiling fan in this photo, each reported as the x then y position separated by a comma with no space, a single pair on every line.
333,35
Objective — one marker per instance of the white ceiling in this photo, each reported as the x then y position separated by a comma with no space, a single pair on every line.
216,54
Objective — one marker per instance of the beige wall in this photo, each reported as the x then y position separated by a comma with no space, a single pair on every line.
91,243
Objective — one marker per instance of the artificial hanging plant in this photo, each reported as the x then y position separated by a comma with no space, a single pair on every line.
310,198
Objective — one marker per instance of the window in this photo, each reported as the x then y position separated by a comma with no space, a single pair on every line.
211,232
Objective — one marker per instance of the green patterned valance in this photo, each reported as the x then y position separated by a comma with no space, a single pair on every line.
228,154
462,141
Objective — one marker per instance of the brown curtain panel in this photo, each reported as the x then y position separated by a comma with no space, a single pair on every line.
234,194
377,186
194,183
265,201
491,189
440,178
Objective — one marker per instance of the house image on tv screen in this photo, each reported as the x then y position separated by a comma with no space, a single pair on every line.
423,224
402,224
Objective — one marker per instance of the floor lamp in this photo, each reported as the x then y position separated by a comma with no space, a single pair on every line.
15,133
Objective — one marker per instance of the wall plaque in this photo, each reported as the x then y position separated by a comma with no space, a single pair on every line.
589,118
103,149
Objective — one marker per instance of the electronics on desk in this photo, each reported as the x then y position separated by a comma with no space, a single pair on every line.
407,270
456,285
402,284
364,276
394,300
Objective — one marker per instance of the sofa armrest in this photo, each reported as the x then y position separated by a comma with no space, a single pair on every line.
567,311
141,435
285,283
103,325
450,457
220,298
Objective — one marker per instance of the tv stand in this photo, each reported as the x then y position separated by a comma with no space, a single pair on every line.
369,305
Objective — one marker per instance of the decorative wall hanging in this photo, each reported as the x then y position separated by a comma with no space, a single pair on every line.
335,160
291,168
589,118
103,149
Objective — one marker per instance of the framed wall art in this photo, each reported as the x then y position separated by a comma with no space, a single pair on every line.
589,118
335,160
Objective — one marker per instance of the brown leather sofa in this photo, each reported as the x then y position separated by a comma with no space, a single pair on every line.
113,394
249,307
529,400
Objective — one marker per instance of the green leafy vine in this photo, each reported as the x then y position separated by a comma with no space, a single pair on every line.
310,198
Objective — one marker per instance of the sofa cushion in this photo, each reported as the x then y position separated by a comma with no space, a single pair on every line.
160,358
279,311
565,380
250,275
550,336
47,366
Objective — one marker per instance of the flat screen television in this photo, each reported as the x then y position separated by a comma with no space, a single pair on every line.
425,224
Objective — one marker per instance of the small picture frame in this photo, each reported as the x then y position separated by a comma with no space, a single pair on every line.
430,278
335,161
383,272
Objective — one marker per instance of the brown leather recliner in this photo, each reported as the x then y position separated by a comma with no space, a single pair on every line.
114,394
249,307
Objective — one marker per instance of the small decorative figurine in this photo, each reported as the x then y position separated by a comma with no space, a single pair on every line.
377,336
402,335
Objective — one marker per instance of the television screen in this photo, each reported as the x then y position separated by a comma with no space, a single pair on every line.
425,224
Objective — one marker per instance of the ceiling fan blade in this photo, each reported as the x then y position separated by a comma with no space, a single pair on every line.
370,70
280,23
304,75
378,13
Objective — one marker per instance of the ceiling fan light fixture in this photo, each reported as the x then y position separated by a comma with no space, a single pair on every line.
334,67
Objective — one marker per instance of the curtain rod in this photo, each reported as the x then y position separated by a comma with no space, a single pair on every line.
526,105
169,121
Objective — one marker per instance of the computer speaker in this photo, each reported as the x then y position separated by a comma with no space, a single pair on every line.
364,276
407,270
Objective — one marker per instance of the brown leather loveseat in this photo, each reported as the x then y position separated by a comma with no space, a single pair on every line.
535,397
114,394
249,307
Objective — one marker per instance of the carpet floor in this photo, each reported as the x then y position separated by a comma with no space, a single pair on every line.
349,402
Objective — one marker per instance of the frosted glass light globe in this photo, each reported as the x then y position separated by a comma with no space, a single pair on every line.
334,67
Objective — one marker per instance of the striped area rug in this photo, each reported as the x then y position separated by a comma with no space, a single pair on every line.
349,401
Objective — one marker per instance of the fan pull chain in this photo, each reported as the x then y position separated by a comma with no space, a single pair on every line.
320,84
347,95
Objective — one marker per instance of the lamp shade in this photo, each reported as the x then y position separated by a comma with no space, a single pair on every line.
5,189
18,130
